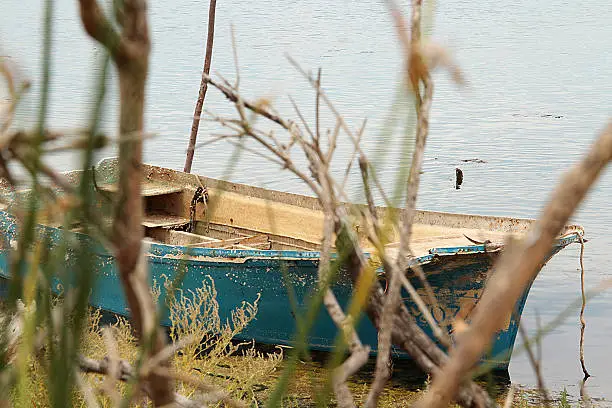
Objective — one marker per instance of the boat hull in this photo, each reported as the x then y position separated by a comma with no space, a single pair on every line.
457,275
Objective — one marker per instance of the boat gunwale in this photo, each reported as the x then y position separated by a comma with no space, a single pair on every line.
182,253
218,255
467,220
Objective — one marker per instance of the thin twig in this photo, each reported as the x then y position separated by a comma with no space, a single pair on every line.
359,354
260,109
256,152
317,108
235,54
241,104
299,113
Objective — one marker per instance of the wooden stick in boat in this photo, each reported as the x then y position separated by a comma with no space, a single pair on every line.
203,86
249,241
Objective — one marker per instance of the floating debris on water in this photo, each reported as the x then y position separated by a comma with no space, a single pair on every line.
458,178
473,161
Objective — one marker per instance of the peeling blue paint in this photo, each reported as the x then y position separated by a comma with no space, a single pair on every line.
457,274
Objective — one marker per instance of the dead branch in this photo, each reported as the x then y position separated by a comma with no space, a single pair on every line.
405,331
358,358
359,354
203,86
111,366
409,336
124,372
130,52
517,266
16,88
99,28
357,142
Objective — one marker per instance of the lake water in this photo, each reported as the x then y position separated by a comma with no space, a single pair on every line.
540,88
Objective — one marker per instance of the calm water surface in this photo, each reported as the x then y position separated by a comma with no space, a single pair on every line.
540,88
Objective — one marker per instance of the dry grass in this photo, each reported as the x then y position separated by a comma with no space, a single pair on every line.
237,368
240,369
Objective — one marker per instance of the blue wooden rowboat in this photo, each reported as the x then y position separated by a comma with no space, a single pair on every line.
261,243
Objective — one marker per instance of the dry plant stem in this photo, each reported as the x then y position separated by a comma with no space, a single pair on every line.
393,298
537,368
86,390
114,367
358,358
418,73
406,333
359,353
517,266
318,108
130,52
582,321
438,332
203,86
356,143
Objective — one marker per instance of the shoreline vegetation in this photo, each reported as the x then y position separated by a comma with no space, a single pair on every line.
244,371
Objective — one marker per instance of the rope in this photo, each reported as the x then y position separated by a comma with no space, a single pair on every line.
200,196
582,321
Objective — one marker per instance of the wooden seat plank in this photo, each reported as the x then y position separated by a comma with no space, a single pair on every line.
163,220
149,189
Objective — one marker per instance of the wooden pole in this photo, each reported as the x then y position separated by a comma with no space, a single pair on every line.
203,86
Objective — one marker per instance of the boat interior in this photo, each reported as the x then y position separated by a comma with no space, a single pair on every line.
189,210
